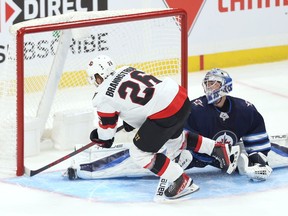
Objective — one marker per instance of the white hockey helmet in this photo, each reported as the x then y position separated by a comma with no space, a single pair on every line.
212,77
101,68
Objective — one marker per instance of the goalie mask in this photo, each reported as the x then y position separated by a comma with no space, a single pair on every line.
99,69
217,83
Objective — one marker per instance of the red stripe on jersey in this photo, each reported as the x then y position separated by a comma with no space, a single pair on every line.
164,167
173,107
199,143
101,114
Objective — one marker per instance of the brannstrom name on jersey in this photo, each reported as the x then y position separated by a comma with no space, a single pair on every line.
115,82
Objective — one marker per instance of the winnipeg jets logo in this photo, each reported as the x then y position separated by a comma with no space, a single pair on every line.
224,116
226,137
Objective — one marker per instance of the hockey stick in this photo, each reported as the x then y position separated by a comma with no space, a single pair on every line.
35,172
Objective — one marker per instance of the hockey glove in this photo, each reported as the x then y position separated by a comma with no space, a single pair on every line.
227,156
102,143
254,166
127,127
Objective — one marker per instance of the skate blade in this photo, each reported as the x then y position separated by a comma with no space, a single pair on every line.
181,197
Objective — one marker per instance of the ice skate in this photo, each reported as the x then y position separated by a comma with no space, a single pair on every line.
183,186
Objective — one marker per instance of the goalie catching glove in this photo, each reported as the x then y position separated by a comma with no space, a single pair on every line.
254,166
102,143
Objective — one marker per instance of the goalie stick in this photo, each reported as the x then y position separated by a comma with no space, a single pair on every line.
35,172
277,147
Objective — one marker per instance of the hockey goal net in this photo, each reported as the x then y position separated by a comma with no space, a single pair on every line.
45,73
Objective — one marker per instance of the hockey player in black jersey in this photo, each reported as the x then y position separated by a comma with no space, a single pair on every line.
231,120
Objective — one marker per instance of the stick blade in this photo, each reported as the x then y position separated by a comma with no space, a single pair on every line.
27,171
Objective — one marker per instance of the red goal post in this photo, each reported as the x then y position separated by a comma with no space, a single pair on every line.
50,56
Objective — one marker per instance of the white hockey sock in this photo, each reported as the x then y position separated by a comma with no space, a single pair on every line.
206,146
